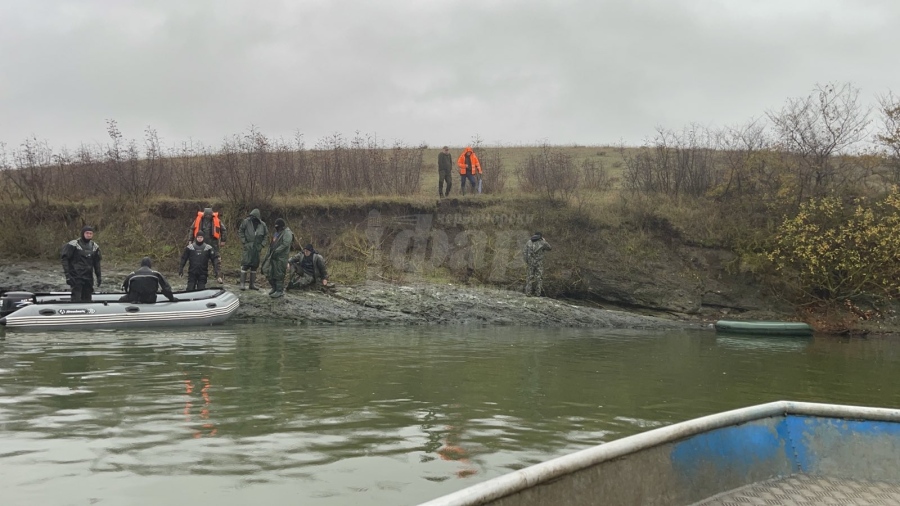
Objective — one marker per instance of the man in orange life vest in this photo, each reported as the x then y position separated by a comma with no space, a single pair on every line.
213,230
469,168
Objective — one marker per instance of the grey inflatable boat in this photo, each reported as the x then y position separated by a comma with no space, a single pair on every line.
43,311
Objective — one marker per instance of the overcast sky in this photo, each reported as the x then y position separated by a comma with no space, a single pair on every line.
433,71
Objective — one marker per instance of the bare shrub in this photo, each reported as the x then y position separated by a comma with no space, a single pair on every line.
365,166
747,170
125,172
594,176
550,172
246,171
30,174
815,130
494,175
191,169
674,163
888,136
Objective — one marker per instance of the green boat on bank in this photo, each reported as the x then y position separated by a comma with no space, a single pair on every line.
764,328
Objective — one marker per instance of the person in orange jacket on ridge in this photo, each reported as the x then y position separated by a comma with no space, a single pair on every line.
469,166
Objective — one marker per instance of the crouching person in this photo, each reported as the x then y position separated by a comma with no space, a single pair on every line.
308,269
143,284
199,255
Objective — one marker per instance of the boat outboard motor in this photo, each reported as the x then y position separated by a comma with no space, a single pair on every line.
11,302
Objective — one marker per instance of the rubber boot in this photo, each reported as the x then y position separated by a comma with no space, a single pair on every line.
243,280
253,281
278,290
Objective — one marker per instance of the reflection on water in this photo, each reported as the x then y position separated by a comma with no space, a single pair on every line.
765,343
332,415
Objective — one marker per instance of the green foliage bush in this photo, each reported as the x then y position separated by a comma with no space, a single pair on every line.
836,251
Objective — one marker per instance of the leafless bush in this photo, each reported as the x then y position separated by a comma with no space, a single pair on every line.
250,169
30,174
365,166
815,130
292,163
494,177
550,172
594,175
888,136
123,170
191,171
748,168
674,163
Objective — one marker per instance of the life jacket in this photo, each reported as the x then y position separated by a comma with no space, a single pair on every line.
472,167
217,225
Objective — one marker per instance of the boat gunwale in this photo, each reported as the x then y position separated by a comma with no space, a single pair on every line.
516,481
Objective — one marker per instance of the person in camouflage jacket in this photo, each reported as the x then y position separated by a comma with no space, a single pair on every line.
534,260
274,266
253,234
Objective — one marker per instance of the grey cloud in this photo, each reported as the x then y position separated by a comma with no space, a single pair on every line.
436,71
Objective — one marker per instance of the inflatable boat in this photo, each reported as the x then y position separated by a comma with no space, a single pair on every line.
764,328
43,311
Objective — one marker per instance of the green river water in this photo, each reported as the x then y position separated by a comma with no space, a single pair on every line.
268,414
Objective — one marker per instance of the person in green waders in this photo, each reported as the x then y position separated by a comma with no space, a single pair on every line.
274,266
253,234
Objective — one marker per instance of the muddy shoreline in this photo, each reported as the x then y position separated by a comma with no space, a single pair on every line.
378,303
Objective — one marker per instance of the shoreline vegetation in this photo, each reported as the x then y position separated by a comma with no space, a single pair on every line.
794,215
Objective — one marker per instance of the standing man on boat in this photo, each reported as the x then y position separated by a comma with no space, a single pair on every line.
534,260
253,234
80,263
445,166
143,284
275,264
200,255
209,223
469,167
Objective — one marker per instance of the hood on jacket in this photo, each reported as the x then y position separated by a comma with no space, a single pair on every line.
255,214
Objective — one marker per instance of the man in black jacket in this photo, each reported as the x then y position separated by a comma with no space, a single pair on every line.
80,263
143,284
308,269
199,255
445,167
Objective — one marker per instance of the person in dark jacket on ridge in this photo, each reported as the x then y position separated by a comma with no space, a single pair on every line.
199,255
143,284
445,167
308,269
81,262
275,264
253,234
